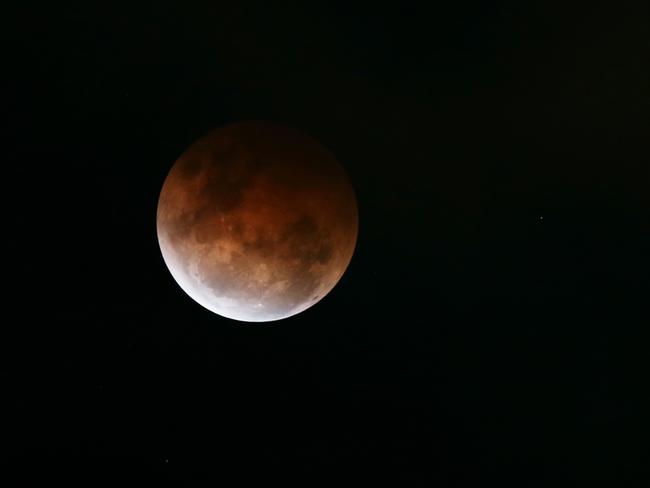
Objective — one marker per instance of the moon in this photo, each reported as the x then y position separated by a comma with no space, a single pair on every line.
257,222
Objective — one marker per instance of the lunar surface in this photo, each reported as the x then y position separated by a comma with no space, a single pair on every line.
257,222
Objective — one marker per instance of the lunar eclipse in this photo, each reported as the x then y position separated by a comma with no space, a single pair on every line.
257,222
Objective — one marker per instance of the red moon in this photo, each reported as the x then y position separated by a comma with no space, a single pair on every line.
257,222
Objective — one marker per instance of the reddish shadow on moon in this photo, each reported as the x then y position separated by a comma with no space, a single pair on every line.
257,222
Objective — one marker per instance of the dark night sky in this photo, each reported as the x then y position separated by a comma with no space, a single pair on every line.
493,324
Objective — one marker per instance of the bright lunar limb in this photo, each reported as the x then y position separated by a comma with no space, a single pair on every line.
257,222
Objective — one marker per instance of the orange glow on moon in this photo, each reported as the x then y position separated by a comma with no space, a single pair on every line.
257,222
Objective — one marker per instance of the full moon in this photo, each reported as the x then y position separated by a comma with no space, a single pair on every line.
257,222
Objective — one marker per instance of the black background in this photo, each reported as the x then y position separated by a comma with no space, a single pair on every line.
493,324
